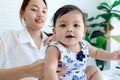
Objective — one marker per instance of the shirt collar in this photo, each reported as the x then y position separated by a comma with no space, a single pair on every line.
25,36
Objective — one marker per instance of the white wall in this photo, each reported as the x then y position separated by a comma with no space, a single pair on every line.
9,15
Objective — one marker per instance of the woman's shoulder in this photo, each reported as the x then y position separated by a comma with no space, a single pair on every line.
9,37
9,33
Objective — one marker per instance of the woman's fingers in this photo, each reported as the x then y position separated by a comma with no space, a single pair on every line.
49,39
61,71
36,69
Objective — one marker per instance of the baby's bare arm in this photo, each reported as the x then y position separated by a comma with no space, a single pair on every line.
103,54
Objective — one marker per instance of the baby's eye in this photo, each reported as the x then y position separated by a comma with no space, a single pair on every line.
76,25
62,25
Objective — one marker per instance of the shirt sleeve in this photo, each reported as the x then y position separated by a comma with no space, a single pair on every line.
2,51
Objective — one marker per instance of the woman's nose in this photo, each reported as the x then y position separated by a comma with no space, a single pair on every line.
40,14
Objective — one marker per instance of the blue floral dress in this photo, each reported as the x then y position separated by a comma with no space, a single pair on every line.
75,62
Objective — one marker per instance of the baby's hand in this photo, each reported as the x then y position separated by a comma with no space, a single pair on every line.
115,55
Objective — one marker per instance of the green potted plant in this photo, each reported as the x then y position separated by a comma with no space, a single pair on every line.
98,38
107,15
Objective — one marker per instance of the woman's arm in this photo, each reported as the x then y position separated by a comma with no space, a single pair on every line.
13,73
32,70
51,63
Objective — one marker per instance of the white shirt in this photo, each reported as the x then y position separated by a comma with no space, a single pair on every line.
17,48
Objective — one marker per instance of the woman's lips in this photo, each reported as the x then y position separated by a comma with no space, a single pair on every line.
39,21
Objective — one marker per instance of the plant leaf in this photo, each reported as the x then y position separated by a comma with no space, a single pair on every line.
101,24
116,38
116,3
90,19
116,16
115,11
105,16
101,40
105,4
94,24
103,8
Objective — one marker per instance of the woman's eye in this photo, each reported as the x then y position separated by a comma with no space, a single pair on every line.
34,9
44,11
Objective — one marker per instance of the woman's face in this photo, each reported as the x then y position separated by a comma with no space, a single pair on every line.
35,14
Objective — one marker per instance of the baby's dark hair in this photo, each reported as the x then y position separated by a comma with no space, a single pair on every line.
64,10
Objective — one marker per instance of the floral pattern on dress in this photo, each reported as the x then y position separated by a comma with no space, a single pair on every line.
75,62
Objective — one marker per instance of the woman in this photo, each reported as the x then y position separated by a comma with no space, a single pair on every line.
19,49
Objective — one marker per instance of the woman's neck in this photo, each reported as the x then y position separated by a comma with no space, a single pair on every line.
36,36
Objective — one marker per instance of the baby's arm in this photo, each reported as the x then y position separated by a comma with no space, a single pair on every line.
103,54
51,63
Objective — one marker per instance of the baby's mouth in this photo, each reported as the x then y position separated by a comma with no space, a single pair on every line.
69,36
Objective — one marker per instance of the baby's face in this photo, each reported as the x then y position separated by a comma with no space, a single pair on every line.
69,28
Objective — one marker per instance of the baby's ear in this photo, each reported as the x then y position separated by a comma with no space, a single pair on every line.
54,31
85,30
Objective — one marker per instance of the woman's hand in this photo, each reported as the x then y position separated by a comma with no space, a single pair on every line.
32,70
36,69
49,39
61,69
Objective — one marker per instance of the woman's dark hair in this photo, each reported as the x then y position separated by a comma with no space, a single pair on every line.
24,5
64,10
